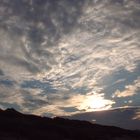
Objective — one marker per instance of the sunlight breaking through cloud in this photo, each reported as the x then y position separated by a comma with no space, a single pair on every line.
53,54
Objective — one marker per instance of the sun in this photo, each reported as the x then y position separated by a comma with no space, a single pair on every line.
96,102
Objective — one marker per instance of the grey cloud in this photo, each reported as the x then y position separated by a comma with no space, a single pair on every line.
7,82
59,52
1,73
136,99
21,99
15,61
33,104
52,14
130,21
69,109
36,84
38,22
81,90
110,80
6,105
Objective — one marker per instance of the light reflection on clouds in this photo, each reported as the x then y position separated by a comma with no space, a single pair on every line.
130,90
137,115
96,102
66,50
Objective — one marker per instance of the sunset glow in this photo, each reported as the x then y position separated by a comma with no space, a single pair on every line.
62,57
96,102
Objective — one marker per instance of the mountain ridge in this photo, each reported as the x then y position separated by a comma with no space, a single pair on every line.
17,126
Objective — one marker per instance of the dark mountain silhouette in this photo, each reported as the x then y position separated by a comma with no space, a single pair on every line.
18,126
121,117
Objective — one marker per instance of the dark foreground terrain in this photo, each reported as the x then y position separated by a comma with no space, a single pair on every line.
17,126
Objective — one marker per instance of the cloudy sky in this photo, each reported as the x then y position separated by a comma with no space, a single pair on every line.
61,57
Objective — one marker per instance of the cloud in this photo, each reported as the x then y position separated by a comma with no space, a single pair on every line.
6,82
36,84
57,52
29,33
11,96
69,109
137,115
23,100
1,73
117,80
130,90
73,104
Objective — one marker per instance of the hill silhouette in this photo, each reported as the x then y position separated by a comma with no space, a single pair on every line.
17,126
120,117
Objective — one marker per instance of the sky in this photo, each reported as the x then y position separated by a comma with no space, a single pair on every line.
62,57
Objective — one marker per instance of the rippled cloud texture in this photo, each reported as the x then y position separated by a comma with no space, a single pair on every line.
58,56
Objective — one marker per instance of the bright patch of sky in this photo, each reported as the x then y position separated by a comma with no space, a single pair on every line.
58,57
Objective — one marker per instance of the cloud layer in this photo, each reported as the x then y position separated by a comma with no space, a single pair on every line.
56,55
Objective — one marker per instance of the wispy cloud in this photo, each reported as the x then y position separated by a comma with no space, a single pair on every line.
137,115
130,90
75,103
59,52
